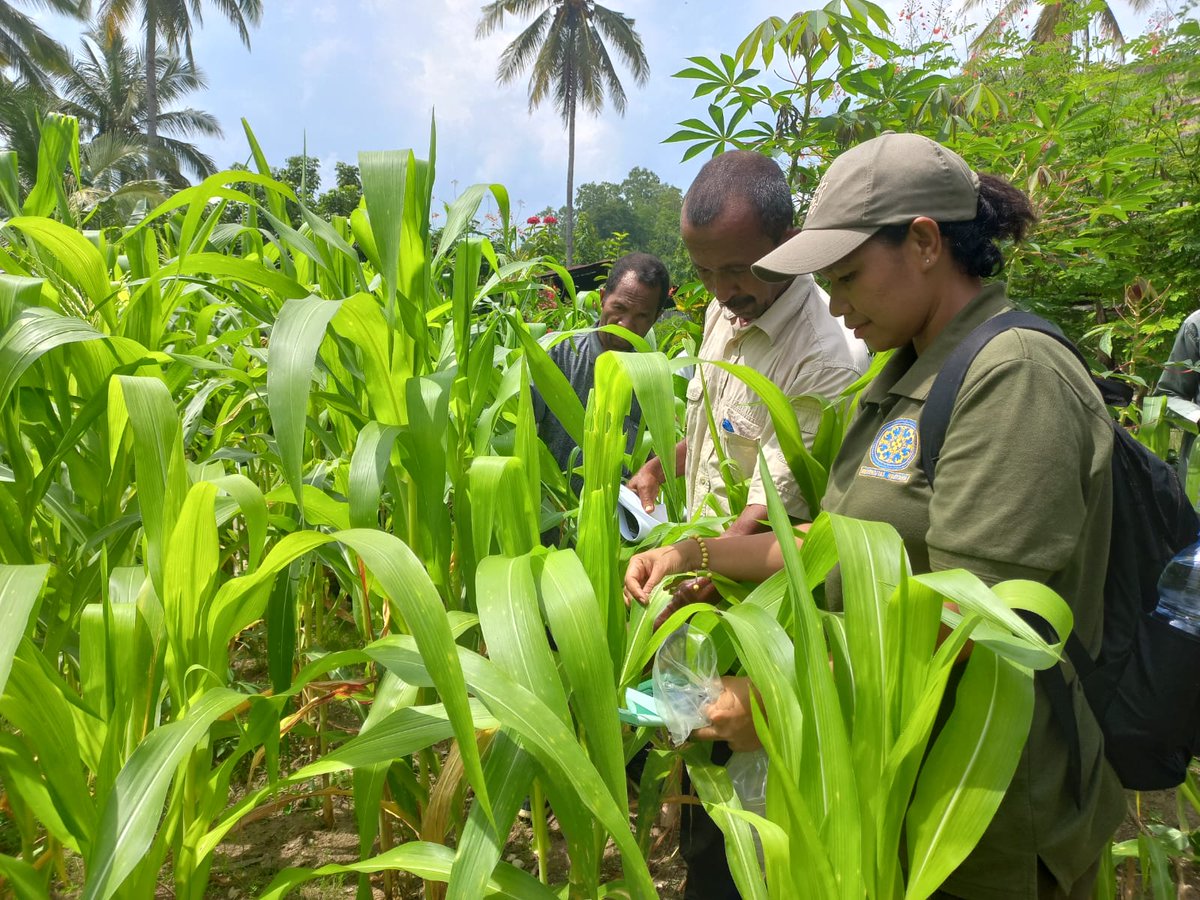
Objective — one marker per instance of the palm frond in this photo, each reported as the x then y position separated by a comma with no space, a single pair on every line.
618,32
524,49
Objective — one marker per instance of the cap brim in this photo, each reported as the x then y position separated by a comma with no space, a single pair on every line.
810,251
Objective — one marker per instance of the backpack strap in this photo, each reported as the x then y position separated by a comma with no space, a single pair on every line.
935,415
935,420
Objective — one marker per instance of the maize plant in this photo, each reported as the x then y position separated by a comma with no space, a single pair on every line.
227,439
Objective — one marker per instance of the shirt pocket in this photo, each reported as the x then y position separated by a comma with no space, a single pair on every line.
741,428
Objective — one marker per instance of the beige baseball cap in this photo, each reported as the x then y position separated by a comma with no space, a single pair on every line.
888,180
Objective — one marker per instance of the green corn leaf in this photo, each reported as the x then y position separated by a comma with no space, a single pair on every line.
243,270
650,376
254,510
22,779
432,862
970,766
542,732
369,780
17,293
10,181
401,733
189,573
460,216
34,333
26,882
74,255
361,321
291,359
368,466
500,506
19,590
58,148
1002,630
871,555
275,202
826,773
38,704
715,789
509,771
158,459
129,819
384,176
212,188
811,476
560,397
406,583
511,622
574,619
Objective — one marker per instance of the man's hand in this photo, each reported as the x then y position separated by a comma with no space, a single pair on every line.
732,720
646,483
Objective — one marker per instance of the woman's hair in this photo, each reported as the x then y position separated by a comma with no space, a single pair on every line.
1003,212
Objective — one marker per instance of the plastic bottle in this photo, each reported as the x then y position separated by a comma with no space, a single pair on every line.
1179,591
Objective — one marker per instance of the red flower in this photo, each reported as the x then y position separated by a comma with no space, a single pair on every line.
532,220
549,220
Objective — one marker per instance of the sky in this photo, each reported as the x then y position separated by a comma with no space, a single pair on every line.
340,76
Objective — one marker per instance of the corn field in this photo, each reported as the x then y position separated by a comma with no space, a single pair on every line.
228,440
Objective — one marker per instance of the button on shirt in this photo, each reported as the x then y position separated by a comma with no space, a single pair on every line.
800,346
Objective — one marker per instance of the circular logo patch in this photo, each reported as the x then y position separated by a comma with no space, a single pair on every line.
895,446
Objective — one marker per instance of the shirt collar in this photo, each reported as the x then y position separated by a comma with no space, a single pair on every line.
593,340
908,374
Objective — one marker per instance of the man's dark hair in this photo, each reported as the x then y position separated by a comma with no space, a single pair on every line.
746,174
647,269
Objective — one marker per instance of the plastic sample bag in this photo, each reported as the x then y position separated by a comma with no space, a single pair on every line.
686,681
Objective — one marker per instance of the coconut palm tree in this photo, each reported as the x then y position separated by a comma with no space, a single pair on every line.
105,89
27,50
173,21
1051,17
564,49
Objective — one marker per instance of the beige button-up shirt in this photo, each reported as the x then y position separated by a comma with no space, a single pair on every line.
799,346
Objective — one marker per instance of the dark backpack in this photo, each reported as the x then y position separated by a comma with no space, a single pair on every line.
1144,687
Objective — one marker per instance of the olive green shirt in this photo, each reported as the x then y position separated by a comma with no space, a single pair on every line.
1024,490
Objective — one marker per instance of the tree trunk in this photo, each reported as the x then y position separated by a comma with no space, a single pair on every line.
570,233
151,88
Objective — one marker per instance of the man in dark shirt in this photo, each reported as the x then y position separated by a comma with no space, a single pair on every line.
633,296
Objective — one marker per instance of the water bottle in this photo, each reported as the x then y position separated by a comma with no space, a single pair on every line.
1179,591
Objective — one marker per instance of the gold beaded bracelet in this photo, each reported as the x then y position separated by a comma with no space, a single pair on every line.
703,545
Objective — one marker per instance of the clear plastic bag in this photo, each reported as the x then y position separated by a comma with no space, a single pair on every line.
686,681
748,772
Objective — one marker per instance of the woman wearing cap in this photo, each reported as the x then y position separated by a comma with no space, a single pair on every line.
905,233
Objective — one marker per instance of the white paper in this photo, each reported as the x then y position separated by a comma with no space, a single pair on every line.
634,521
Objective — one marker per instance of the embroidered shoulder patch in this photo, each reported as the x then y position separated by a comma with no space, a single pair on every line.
894,449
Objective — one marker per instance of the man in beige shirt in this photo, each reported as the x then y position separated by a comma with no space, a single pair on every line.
738,209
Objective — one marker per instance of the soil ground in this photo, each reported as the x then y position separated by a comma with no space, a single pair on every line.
250,858
252,855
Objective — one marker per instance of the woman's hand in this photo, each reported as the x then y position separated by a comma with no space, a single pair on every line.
732,720
647,569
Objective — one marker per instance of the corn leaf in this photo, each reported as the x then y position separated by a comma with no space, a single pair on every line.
19,589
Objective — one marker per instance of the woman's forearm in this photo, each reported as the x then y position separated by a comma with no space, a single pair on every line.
746,557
